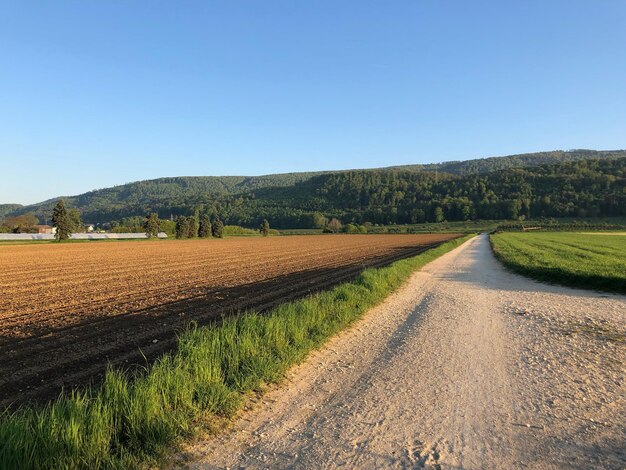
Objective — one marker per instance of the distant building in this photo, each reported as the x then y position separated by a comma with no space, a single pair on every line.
46,229
89,228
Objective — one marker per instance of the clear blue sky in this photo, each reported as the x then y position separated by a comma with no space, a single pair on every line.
97,93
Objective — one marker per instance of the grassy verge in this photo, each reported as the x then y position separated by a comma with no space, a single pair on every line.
592,261
130,420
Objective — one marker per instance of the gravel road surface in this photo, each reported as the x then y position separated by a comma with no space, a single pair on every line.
467,366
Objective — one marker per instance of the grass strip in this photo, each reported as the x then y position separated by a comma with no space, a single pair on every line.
572,259
131,419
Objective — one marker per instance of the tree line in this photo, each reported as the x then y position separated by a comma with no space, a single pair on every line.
64,222
191,227
203,227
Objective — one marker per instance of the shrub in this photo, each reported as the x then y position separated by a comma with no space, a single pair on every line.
75,220
350,228
167,226
151,225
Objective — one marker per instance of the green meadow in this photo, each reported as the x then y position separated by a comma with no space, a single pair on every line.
588,260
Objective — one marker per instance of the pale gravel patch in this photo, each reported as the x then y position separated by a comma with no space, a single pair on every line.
466,366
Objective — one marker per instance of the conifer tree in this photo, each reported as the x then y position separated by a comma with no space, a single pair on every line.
182,227
218,228
204,231
265,228
61,221
192,227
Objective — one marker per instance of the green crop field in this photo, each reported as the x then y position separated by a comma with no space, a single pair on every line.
589,260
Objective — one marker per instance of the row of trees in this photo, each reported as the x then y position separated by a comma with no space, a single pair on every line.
190,227
185,226
194,226
68,222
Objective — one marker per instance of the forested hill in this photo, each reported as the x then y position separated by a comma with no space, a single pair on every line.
8,208
488,165
555,184
179,193
584,188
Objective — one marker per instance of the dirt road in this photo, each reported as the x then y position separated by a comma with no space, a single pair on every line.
467,366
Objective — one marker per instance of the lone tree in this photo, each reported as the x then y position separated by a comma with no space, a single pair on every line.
204,231
192,227
218,228
182,227
334,225
151,225
61,221
265,228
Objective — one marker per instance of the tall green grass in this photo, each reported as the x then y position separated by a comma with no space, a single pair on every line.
129,420
592,261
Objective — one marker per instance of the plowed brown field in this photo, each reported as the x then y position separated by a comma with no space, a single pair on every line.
66,310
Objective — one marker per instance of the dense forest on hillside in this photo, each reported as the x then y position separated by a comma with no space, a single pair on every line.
179,192
586,188
6,209
575,186
491,164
